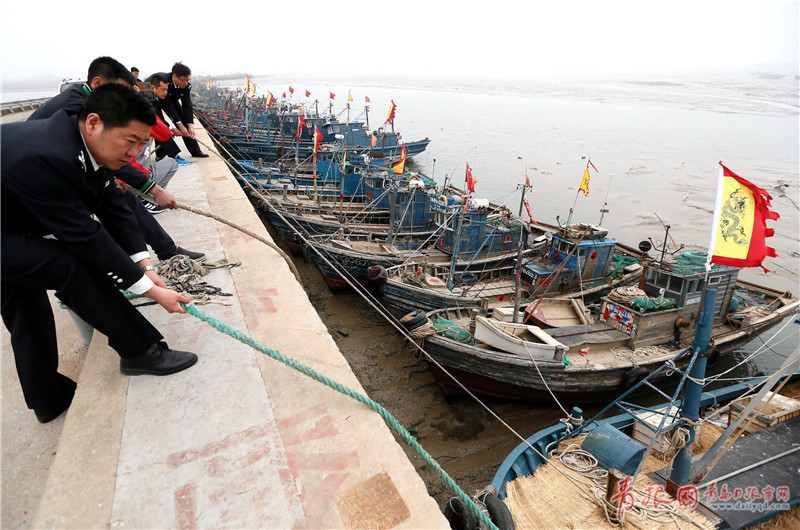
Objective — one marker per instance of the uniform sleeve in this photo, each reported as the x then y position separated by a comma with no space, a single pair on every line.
53,192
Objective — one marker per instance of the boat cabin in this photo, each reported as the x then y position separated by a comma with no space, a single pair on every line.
482,232
670,308
590,261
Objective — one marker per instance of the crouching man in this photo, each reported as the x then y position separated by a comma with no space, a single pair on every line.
55,174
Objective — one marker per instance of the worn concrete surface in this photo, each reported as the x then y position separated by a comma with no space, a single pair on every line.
239,440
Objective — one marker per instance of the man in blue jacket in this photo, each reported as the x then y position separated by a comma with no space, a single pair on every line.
55,174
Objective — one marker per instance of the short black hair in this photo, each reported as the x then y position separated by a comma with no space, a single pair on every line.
117,105
157,79
181,69
109,70
134,69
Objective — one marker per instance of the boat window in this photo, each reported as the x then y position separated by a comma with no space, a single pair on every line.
692,286
715,280
650,275
661,280
676,284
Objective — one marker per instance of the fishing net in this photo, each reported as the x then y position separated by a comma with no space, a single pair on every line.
657,303
451,330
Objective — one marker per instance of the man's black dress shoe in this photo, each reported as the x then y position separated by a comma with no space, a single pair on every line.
48,414
200,154
159,359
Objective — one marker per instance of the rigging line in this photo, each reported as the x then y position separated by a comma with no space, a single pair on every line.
399,328
754,354
750,419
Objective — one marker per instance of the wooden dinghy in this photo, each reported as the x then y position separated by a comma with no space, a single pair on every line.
519,339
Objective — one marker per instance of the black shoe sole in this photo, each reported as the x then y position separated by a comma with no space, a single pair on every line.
150,371
51,414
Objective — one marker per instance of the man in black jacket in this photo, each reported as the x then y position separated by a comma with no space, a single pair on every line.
55,174
178,106
108,70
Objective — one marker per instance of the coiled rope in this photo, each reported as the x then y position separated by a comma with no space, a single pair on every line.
310,372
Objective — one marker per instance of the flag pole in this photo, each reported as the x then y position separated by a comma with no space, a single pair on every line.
715,221
604,210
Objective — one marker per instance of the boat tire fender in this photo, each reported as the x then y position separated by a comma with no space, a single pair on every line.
414,320
498,511
459,516
634,376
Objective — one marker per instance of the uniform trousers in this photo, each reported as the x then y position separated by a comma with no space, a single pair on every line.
31,266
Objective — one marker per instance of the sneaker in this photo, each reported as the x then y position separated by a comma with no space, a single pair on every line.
152,207
197,256
159,359
200,154
182,161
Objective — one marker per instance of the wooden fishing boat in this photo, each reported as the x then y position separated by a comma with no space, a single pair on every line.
631,336
492,240
575,268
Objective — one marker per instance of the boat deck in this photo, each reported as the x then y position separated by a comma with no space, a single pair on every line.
749,450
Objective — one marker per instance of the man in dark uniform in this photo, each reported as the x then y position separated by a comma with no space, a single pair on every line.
160,86
108,70
55,174
178,106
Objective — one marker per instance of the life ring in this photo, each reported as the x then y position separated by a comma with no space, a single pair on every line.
498,511
413,176
460,516
635,376
413,320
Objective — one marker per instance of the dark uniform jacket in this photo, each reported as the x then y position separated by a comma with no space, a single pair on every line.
178,103
72,100
49,186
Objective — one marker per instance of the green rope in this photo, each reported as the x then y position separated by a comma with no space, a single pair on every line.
388,418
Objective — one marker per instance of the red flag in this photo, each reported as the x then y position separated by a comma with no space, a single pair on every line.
291,90
301,122
317,140
308,93
366,99
392,110
284,95
332,95
530,215
738,237
270,99
470,181
527,180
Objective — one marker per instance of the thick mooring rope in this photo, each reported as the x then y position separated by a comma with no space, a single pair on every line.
310,372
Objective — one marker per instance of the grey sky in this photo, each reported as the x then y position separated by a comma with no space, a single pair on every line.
411,37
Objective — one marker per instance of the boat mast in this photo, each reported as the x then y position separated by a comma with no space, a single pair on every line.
520,247
604,209
690,409
458,242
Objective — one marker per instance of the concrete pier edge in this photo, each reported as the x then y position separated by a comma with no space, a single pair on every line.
305,455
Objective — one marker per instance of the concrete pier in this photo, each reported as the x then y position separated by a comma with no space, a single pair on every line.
239,440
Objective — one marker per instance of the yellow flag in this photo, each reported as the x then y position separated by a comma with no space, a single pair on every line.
349,96
585,182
